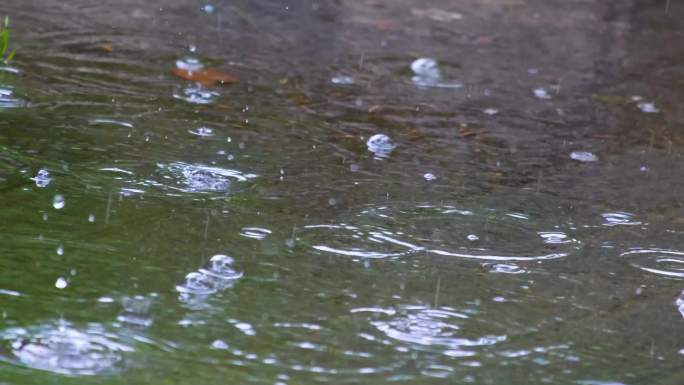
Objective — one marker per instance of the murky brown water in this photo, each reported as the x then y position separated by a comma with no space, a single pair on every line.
478,192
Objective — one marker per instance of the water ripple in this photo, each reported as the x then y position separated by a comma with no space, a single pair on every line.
436,327
668,263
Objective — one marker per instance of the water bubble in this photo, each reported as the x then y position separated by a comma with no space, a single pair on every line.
58,202
342,80
583,156
61,283
42,178
202,131
541,93
648,107
381,145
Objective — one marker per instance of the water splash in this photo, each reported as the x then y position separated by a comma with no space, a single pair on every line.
64,349
583,156
380,145
427,74
196,95
201,178
199,285
42,178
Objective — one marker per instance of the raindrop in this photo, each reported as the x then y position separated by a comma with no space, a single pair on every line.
91,218
473,237
491,111
58,202
60,250
429,177
583,156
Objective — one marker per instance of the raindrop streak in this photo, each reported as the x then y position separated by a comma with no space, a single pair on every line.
58,202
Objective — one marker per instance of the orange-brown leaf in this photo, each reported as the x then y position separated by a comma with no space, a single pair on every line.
205,76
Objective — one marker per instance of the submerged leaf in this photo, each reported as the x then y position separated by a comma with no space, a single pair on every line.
205,76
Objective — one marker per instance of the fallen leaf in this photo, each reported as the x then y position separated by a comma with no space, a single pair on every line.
205,76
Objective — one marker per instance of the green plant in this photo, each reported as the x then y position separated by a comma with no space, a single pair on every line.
4,42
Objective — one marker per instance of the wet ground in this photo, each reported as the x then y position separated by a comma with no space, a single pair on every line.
480,192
